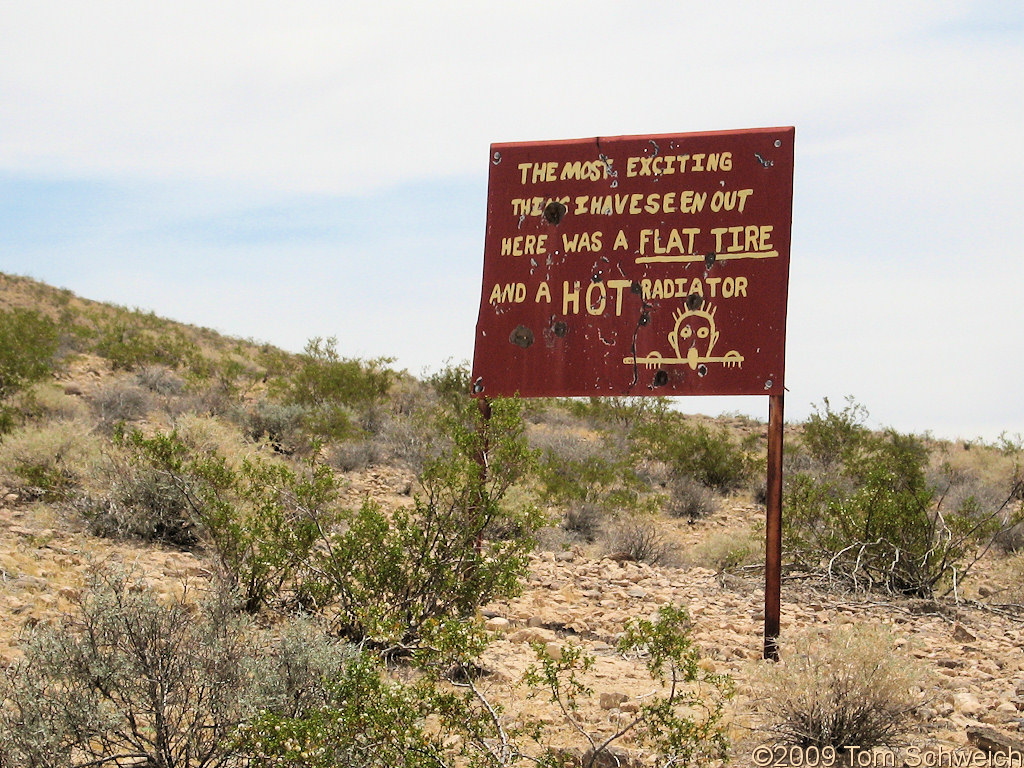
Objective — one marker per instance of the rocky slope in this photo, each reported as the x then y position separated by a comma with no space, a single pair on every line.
975,651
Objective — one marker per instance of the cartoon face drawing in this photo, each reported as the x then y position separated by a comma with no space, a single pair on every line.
694,335
693,340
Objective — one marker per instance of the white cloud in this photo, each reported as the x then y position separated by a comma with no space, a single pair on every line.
905,252
347,96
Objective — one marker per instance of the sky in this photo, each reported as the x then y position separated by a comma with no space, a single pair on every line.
280,171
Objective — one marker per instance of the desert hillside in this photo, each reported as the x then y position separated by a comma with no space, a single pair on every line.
315,531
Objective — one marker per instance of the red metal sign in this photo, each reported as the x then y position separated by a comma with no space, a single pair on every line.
637,265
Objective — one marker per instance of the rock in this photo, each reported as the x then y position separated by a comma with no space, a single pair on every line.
29,582
533,635
554,650
994,742
637,592
967,703
497,624
610,700
609,757
619,557
963,635
16,607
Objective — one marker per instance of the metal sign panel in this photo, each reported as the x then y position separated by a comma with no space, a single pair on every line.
637,265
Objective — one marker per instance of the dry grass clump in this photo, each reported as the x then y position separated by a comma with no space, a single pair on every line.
160,380
49,401
48,461
725,551
840,688
584,520
689,498
121,401
1014,568
212,434
638,539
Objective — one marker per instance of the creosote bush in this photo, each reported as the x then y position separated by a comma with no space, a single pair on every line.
260,519
863,511
378,720
840,687
579,473
711,457
333,388
133,339
389,574
681,724
28,346
281,539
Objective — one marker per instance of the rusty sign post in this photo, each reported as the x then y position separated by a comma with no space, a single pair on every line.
642,265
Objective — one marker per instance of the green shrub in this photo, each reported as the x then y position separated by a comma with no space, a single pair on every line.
869,516
28,345
437,713
451,383
575,472
140,502
681,723
132,680
368,720
332,387
833,437
260,519
280,423
710,457
135,339
389,574
620,414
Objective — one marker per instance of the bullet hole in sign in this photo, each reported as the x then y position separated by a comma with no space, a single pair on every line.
554,212
521,337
